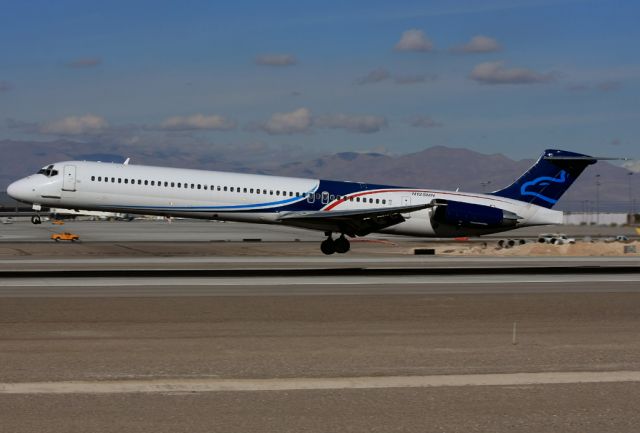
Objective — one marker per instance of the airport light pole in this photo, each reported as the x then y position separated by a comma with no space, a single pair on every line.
631,210
597,199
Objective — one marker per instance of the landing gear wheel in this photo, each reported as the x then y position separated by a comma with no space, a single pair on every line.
36,219
328,246
342,245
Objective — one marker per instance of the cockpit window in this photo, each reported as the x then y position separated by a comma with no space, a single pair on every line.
48,171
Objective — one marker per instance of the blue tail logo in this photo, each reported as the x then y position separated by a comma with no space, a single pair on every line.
543,181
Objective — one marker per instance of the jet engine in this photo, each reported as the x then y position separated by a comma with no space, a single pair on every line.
468,215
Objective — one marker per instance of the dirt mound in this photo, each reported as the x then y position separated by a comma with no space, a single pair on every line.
579,249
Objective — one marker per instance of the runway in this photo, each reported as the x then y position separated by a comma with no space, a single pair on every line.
371,342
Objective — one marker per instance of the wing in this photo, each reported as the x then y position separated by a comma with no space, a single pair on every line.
359,222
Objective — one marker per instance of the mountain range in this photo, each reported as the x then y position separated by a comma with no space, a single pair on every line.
438,167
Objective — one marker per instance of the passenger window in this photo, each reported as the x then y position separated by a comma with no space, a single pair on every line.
93,178
219,188
258,191
271,192
377,201
146,182
251,191
166,183
384,201
139,181
370,200
244,190
264,191
231,189
225,188
119,180
153,183
179,184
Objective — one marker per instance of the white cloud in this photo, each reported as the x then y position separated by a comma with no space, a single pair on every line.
414,40
609,86
276,60
89,124
375,76
198,121
479,44
85,62
425,122
497,73
366,124
296,121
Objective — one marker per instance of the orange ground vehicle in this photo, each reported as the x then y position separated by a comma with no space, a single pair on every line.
58,222
65,236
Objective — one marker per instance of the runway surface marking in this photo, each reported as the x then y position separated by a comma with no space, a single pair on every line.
311,281
293,384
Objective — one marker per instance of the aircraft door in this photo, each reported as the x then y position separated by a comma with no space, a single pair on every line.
69,178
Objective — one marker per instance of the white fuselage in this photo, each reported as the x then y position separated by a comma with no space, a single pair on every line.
250,198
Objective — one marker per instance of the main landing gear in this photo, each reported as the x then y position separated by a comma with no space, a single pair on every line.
340,245
36,219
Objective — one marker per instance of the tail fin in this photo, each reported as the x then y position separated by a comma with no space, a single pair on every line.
545,182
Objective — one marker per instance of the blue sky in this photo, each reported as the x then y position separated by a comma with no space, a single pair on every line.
512,77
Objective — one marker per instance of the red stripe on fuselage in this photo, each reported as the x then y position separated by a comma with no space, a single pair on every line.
342,200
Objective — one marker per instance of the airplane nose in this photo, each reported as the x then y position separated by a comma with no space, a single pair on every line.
18,190
12,190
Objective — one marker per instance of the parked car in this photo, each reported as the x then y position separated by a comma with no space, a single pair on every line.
555,239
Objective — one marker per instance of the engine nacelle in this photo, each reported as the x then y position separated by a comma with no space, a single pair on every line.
460,214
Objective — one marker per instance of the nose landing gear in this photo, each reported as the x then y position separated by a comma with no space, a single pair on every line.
340,245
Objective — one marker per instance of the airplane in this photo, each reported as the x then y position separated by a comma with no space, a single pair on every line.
348,209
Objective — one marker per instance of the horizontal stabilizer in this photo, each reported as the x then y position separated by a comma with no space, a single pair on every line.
549,178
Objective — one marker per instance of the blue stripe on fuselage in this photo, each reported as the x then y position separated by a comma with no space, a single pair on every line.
332,187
